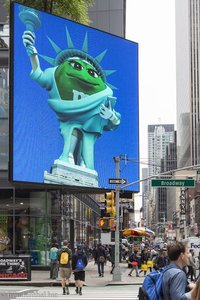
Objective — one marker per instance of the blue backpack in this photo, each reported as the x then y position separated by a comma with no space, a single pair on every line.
80,265
152,285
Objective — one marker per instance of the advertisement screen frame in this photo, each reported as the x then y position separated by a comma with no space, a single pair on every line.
111,151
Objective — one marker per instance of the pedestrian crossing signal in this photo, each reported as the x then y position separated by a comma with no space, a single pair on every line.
106,223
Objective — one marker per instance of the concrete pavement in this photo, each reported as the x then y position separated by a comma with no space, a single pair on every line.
41,278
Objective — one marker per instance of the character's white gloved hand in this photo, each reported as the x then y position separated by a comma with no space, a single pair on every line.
28,38
108,114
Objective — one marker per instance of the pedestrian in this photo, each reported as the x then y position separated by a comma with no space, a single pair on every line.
174,284
161,260
79,262
134,263
101,259
195,294
53,255
64,259
192,266
144,259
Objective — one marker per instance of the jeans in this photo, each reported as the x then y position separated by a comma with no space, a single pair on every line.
54,270
134,268
100,268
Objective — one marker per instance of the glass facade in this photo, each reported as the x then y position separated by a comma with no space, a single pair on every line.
4,111
42,217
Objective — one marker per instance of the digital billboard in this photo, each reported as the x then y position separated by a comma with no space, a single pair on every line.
74,102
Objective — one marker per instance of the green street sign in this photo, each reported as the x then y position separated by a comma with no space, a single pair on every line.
172,183
137,238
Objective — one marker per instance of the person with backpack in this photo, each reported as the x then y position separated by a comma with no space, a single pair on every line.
133,258
171,282
64,259
53,255
79,262
174,284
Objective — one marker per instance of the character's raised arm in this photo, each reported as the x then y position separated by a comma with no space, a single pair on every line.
28,38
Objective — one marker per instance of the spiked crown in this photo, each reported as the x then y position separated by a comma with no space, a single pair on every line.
63,55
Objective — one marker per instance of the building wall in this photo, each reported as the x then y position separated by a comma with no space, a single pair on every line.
109,16
187,65
4,13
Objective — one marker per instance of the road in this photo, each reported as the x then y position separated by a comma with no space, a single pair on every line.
89,292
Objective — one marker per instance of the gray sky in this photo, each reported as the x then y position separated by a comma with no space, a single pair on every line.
151,23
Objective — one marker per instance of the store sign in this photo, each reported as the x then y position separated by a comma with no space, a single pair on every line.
15,268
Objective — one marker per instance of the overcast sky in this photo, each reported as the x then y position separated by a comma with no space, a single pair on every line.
151,23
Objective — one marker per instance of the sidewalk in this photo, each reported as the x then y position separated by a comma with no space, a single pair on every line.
41,278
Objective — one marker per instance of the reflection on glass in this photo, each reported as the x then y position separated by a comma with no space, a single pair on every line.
4,93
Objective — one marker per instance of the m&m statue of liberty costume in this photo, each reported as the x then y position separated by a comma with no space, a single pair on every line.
79,95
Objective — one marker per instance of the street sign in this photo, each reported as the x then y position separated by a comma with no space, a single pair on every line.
172,183
117,181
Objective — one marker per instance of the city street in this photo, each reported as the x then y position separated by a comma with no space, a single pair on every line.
41,287
49,293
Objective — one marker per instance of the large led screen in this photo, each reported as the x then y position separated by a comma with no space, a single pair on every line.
74,92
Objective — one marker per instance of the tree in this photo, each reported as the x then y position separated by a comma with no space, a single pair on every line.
76,10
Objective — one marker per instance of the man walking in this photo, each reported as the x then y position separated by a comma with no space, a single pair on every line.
192,266
174,285
79,262
101,259
64,258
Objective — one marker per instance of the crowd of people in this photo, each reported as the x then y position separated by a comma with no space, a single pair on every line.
65,262
142,261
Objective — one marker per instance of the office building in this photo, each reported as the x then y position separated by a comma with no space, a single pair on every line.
188,108
160,136
187,66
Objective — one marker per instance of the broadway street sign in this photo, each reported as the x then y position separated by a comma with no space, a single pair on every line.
172,183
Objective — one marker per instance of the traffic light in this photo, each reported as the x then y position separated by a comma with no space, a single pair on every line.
110,204
106,223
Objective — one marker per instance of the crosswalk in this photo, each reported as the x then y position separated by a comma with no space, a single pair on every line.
114,292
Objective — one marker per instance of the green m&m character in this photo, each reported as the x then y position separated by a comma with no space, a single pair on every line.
80,96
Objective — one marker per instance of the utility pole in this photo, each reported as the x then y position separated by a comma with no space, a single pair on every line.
117,272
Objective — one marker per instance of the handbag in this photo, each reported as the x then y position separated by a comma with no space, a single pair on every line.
101,259
134,263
